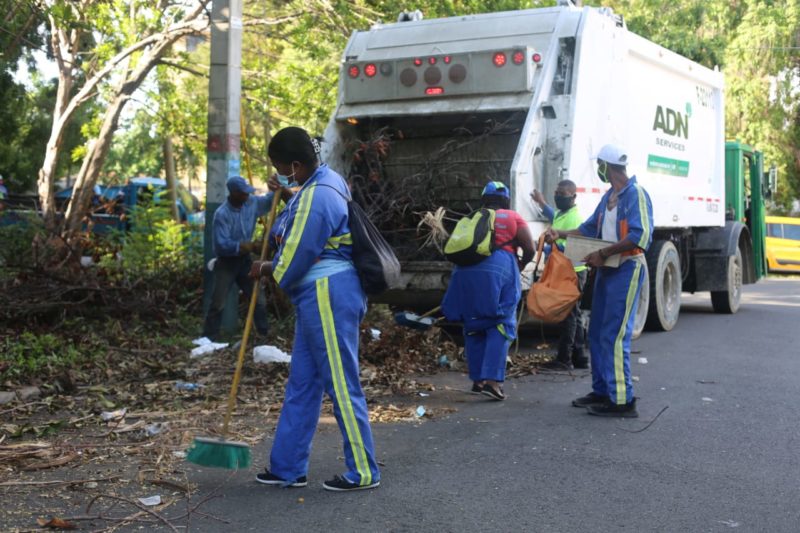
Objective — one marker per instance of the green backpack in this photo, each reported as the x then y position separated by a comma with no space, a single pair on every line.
472,240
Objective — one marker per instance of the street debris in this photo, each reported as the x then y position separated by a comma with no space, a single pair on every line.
270,354
205,346
375,334
420,411
108,416
707,399
188,387
151,501
642,360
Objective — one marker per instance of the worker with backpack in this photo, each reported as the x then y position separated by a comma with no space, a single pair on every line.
484,290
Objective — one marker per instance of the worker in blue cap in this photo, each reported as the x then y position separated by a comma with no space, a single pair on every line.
234,224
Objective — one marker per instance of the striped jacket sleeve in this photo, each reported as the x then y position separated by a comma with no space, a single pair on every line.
640,218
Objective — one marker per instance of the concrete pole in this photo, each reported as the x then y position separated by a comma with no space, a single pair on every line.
224,95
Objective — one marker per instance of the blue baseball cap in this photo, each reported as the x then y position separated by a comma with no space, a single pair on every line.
238,184
496,188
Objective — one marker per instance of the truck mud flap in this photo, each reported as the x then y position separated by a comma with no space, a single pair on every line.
712,249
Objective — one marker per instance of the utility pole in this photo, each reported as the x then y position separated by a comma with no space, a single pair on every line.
224,95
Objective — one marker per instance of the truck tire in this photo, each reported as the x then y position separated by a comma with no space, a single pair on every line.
664,266
643,305
728,301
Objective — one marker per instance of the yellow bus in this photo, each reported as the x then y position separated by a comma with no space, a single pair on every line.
783,244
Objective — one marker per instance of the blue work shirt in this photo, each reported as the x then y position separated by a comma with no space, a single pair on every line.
234,225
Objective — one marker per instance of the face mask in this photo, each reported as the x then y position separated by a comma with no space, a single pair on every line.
602,171
563,203
286,180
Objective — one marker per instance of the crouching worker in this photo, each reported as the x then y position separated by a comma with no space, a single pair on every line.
313,264
572,331
484,296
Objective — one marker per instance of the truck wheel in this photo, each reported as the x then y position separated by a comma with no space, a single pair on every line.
728,301
643,305
664,266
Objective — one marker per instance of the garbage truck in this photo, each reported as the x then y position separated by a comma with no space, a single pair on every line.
428,111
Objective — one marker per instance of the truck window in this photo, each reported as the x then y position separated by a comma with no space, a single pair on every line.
791,232
774,230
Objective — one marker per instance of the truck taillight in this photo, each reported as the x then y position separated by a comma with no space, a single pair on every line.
457,73
536,57
433,91
447,60
353,71
408,77
370,70
432,60
432,75
386,69
417,62
518,57
499,59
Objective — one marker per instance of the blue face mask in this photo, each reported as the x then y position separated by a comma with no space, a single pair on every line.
284,180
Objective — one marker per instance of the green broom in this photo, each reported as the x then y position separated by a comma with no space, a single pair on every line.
220,452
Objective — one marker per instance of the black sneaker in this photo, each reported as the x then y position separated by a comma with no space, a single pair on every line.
340,484
268,478
590,399
555,364
476,388
491,392
627,410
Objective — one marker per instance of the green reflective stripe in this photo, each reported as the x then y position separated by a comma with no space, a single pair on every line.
338,240
341,393
568,220
619,355
502,329
645,219
295,234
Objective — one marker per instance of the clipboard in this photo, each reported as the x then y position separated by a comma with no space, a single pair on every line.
578,247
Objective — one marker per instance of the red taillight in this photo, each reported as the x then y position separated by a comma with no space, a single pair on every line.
499,59
447,60
537,57
370,70
518,57
417,62
432,60
434,90
353,71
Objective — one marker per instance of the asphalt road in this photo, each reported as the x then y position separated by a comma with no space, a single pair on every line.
723,456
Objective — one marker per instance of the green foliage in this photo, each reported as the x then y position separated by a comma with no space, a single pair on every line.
31,354
17,250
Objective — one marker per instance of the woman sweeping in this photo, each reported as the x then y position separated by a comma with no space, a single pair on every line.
485,296
313,265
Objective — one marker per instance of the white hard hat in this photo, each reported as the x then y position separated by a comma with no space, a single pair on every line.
613,155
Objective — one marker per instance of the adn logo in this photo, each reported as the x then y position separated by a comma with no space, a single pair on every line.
671,122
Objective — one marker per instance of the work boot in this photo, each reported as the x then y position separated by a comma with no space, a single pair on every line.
626,410
557,364
579,360
590,399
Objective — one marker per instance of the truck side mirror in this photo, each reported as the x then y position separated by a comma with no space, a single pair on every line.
772,182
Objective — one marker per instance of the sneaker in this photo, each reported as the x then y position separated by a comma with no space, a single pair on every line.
491,392
590,399
268,478
476,388
340,484
627,410
555,364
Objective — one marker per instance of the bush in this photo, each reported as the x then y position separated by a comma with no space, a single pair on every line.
16,240
33,354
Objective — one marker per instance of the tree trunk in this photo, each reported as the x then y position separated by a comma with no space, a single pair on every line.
169,171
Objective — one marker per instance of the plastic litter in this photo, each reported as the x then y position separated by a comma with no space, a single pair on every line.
443,360
270,354
707,399
150,501
205,346
211,264
183,385
375,333
113,415
180,454
420,411
424,394
642,360
152,430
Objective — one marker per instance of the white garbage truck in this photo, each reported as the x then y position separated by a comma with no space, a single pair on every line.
429,110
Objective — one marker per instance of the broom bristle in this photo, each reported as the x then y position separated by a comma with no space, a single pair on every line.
219,453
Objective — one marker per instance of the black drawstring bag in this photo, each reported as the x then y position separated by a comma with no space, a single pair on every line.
374,259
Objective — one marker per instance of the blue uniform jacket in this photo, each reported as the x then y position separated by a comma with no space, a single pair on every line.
312,227
232,225
634,217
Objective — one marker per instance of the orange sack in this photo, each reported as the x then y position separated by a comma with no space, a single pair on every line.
551,298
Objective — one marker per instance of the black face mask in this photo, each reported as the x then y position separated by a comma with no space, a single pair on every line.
564,203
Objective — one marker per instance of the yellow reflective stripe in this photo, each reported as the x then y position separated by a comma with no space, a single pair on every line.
645,219
619,355
338,240
295,234
502,329
342,394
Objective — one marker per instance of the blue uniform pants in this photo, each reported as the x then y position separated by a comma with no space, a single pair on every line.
486,352
325,358
227,271
614,302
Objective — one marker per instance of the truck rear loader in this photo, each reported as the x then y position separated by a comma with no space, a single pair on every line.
429,110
